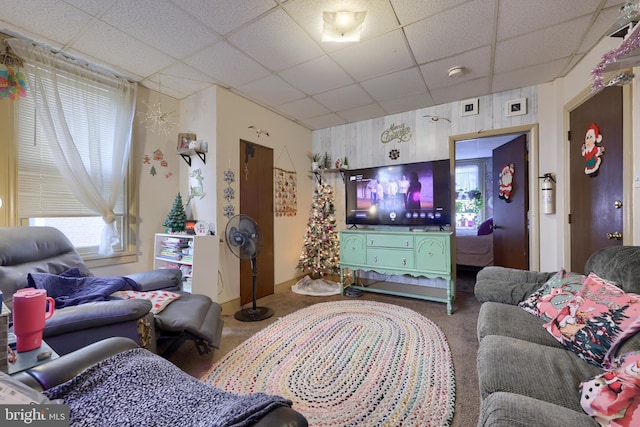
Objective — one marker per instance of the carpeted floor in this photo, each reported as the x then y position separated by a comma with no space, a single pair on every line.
459,328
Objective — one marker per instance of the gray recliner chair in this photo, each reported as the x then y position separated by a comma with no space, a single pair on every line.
26,250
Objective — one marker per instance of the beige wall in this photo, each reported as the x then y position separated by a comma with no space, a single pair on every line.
234,116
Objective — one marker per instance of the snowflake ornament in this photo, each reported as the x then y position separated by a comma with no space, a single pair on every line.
394,154
229,176
229,193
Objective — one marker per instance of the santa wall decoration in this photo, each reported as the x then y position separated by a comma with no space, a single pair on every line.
592,152
505,182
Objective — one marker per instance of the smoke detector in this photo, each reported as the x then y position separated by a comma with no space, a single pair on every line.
455,71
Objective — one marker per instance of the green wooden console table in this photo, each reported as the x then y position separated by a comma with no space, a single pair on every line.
419,253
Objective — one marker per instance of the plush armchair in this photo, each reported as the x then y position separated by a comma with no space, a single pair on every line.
25,250
48,375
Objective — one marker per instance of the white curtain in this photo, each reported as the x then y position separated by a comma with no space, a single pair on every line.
87,118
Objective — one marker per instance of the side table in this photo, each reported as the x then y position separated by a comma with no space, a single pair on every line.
28,359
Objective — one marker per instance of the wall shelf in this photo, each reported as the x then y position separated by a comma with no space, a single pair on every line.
186,155
318,173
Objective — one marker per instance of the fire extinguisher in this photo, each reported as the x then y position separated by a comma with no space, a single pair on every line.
548,194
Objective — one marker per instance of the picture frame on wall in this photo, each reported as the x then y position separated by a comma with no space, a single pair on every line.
469,107
516,107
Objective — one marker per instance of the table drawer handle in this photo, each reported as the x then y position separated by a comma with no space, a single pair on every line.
375,259
404,261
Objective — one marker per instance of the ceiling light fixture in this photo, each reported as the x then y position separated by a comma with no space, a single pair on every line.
456,71
342,26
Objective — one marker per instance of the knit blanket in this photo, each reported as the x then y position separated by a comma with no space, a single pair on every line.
139,388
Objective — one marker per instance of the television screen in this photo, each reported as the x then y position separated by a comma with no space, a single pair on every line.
412,194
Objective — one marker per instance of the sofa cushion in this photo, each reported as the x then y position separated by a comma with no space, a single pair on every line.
553,295
615,394
513,410
617,264
596,321
541,372
511,321
508,285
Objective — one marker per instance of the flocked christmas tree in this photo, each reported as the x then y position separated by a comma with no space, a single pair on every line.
177,218
321,250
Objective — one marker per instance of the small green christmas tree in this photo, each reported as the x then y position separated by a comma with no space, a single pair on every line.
177,218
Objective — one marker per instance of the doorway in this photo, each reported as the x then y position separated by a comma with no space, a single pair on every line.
256,201
467,146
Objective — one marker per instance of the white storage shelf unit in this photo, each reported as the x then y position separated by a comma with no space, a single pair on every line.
196,256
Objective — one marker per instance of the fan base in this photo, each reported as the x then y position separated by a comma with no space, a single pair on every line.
253,314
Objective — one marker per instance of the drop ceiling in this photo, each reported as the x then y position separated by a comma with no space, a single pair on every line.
270,51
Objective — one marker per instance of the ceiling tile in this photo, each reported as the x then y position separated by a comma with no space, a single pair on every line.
365,112
533,48
344,98
510,13
409,11
181,78
276,42
223,16
470,89
477,63
444,35
374,57
227,64
323,122
112,46
407,103
92,7
303,108
529,76
603,23
56,21
271,90
315,76
172,31
395,85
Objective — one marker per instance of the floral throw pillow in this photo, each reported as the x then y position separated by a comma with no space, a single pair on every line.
596,321
553,295
613,398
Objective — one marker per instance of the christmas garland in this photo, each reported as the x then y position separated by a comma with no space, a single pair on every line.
631,43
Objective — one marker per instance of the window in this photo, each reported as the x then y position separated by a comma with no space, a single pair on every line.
43,196
469,193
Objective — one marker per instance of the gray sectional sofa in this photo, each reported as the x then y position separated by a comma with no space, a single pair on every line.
526,377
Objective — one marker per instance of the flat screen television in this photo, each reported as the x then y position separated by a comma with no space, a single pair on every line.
413,195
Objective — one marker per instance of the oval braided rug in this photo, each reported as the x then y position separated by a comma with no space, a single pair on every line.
348,363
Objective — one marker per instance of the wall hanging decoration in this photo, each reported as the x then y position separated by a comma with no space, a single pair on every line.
156,159
592,152
198,190
516,107
285,188
505,182
394,132
229,193
394,154
469,107
12,80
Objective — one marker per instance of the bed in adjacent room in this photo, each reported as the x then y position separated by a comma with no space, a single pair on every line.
474,247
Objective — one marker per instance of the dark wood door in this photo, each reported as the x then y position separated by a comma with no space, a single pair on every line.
511,225
595,181
256,200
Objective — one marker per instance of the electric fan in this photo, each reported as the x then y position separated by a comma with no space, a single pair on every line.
245,241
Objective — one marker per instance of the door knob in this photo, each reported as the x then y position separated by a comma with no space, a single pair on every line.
617,204
614,236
